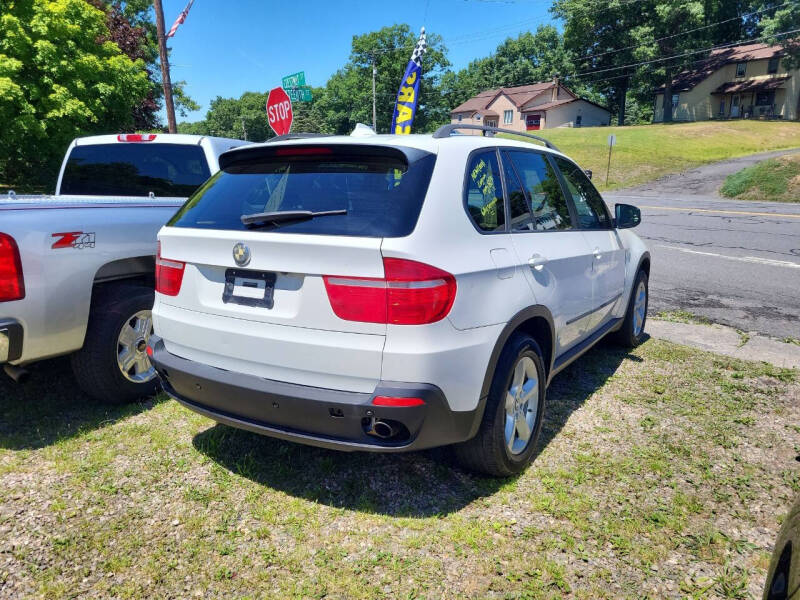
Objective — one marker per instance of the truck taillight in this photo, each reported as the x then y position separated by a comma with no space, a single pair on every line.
136,137
169,275
410,293
12,283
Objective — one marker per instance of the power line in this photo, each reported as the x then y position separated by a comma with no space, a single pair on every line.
661,39
689,53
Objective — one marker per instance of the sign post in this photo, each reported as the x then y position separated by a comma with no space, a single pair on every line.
279,111
612,141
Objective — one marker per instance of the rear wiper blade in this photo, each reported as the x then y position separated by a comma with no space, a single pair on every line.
276,218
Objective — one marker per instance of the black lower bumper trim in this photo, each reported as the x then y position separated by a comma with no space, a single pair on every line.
11,334
310,415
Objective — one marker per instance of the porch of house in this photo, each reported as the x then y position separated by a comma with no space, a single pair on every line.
749,99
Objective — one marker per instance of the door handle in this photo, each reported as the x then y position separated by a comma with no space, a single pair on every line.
596,253
537,261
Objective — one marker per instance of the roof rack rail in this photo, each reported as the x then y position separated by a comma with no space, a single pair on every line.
446,130
295,136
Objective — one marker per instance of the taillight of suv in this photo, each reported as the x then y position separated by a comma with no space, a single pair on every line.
169,275
12,283
410,293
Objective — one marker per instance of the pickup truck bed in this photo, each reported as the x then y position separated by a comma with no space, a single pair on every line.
68,245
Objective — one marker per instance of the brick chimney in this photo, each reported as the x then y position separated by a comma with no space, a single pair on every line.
555,89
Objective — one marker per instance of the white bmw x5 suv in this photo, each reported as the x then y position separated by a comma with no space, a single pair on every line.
392,293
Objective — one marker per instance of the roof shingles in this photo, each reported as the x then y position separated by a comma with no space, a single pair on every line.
718,58
519,96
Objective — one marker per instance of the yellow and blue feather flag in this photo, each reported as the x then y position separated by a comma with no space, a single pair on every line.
405,107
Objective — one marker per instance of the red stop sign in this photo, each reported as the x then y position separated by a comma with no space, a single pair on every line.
279,111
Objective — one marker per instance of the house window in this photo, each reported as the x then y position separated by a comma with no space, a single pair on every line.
772,65
766,98
533,121
740,69
459,118
675,98
508,117
722,107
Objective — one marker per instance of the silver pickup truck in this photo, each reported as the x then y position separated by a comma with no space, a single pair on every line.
77,268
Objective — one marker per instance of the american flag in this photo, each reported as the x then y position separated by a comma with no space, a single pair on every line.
181,18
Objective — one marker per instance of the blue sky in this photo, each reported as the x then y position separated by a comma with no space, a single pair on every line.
229,47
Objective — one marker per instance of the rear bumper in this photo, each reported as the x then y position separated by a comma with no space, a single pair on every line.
11,334
312,415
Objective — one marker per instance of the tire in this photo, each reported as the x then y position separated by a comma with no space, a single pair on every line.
490,452
631,334
97,365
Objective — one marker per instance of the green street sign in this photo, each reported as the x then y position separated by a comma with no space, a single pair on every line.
294,80
299,94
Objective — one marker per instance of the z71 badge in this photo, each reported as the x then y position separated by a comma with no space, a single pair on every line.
73,239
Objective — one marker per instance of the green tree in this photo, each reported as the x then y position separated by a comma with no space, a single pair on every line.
348,93
131,24
59,80
246,117
626,49
772,24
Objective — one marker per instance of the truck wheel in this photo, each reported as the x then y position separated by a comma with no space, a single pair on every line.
512,420
113,366
631,334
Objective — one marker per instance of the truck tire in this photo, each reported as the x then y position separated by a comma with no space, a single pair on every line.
515,405
113,367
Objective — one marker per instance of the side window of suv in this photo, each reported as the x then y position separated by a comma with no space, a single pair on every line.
589,206
484,192
546,206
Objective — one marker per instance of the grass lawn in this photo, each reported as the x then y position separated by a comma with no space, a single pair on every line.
662,473
647,152
775,180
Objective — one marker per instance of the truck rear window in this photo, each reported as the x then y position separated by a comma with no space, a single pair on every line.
134,169
381,188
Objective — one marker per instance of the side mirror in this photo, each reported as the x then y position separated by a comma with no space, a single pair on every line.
588,173
626,216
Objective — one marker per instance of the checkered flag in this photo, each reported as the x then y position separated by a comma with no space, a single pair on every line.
419,49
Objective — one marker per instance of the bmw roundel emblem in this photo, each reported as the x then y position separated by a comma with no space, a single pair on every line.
241,254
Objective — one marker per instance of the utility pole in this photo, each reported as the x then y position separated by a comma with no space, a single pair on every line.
244,129
374,101
162,51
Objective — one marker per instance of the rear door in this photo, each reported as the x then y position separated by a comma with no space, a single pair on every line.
551,251
263,299
608,253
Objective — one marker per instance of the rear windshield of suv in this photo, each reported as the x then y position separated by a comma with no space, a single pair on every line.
134,169
380,188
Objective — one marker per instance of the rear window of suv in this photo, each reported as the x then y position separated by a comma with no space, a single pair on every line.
134,169
380,188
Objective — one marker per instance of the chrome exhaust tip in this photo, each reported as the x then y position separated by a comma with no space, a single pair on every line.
380,429
18,374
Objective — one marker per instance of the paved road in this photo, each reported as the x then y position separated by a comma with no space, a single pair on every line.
733,262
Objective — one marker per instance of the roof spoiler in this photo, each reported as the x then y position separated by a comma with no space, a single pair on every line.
447,130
